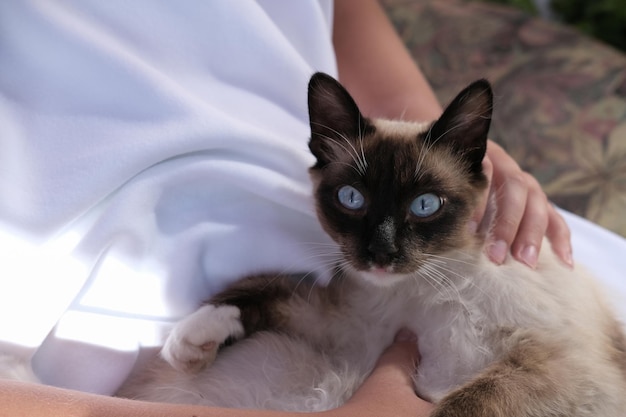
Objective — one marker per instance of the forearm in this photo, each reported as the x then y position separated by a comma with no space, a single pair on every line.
375,66
25,399
21,399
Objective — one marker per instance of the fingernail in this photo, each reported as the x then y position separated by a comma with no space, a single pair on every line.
497,251
405,335
529,255
568,258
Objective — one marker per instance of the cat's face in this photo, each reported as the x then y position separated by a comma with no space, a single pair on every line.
395,194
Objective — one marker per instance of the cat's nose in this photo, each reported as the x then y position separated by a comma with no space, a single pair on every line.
382,244
382,251
382,256
380,247
382,259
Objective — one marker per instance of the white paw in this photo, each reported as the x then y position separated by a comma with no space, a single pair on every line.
193,342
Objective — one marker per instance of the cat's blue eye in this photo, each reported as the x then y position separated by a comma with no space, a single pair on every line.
350,197
426,205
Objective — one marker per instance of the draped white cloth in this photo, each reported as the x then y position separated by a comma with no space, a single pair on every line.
150,153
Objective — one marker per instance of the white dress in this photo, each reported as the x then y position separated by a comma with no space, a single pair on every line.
150,153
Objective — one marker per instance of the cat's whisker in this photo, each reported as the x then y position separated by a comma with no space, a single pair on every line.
319,249
300,281
443,266
337,275
361,146
420,161
306,277
433,282
322,250
429,271
274,278
451,129
349,165
352,151
340,277
331,257
329,244
428,142
446,282
325,260
325,256
450,259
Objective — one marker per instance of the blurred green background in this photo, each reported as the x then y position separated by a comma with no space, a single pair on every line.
602,19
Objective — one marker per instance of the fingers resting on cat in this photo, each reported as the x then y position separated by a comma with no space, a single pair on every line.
524,214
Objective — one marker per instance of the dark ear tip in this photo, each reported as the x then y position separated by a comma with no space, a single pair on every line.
321,75
320,78
482,84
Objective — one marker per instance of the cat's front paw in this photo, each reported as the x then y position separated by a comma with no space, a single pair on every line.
194,341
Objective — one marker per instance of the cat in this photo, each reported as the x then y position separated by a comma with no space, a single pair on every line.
397,197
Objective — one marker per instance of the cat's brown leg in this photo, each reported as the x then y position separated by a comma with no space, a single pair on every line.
250,305
535,378
261,300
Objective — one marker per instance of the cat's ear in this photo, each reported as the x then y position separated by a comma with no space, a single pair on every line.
336,122
464,124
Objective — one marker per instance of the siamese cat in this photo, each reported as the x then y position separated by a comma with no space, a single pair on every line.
396,197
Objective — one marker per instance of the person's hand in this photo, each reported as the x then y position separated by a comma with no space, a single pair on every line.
388,391
524,214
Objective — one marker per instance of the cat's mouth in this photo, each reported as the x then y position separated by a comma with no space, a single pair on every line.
382,276
381,271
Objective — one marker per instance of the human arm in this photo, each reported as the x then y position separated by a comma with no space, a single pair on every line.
376,68
388,391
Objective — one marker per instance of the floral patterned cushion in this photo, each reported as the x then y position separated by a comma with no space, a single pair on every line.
560,107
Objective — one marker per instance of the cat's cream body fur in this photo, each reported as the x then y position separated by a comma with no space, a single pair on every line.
460,334
494,340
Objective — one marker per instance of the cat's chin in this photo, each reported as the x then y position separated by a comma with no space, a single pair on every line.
382,277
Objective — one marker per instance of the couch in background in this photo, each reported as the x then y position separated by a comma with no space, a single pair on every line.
560,97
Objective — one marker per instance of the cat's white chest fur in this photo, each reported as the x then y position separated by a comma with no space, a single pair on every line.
454,322
460,323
